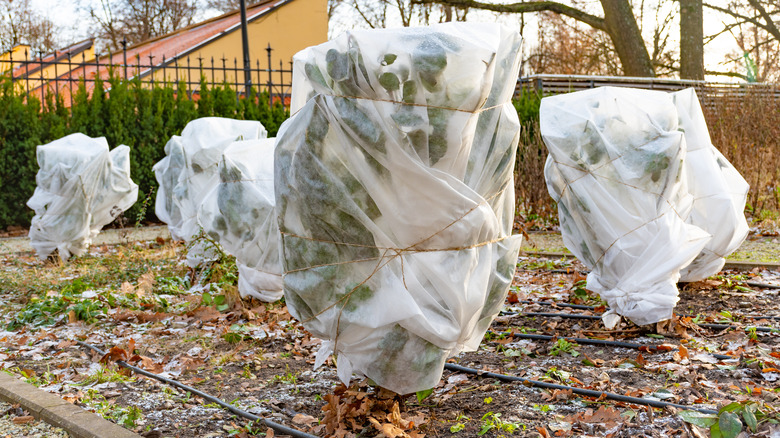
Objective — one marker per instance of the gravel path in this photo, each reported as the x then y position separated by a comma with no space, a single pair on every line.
31,429
110,236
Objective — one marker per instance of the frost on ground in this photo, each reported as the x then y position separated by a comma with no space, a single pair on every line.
140,303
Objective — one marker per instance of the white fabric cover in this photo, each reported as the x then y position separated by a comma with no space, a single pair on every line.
394,190
81,187
633,198
189,171
239,214
719,191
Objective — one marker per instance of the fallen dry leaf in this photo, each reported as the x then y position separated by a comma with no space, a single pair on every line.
304,420
206,314
114,354
23,420
388,430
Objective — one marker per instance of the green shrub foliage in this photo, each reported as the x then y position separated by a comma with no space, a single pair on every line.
141,116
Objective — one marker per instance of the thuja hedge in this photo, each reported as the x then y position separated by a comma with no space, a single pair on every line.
125,112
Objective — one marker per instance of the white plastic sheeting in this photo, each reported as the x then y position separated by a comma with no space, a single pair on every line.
189,171
394,191
81,187
239,214
631,201
719,191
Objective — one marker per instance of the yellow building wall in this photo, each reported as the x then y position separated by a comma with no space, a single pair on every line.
20,52
50,70
289,29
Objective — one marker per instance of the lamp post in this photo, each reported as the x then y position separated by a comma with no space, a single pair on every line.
245,44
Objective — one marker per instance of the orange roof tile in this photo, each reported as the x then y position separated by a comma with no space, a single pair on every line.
175,45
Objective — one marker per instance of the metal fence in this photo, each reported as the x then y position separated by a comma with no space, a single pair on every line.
61,73
554,84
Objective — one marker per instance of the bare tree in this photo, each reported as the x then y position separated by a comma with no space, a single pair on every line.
384,13
754,27
22,25
565,46
618,22
233,5
139,20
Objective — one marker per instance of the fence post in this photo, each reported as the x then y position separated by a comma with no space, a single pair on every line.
43,85
27,72
97,72
235,79
124,56
56,78
224,69
165,78
189,79
176,66
270,80
281,81
212,72
202,74
70,78
258,77
151,69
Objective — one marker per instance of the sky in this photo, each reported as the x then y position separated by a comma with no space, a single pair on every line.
73,25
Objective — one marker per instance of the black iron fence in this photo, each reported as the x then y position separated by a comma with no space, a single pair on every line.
61,72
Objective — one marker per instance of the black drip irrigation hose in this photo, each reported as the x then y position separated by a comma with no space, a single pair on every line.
762,285
738,265
748,283
553,315
554,304
595,317
575,390
586,341
240,412
729,326
584,307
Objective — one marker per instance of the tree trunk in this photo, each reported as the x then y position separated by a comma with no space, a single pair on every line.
691,40
624,32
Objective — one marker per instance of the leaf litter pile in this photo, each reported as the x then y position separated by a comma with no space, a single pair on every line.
140,304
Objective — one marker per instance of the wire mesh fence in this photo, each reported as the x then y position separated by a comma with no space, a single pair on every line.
544,84
61,72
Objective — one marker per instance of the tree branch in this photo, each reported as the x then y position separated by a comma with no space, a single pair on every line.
770,25
532,6
751,20
725,73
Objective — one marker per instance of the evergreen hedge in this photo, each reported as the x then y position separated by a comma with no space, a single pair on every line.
141,116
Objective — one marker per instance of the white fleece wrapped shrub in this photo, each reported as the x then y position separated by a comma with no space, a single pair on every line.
81,187
239,214
719,191
190,170
394,192
636,181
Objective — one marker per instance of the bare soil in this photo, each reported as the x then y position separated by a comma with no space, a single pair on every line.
257,357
